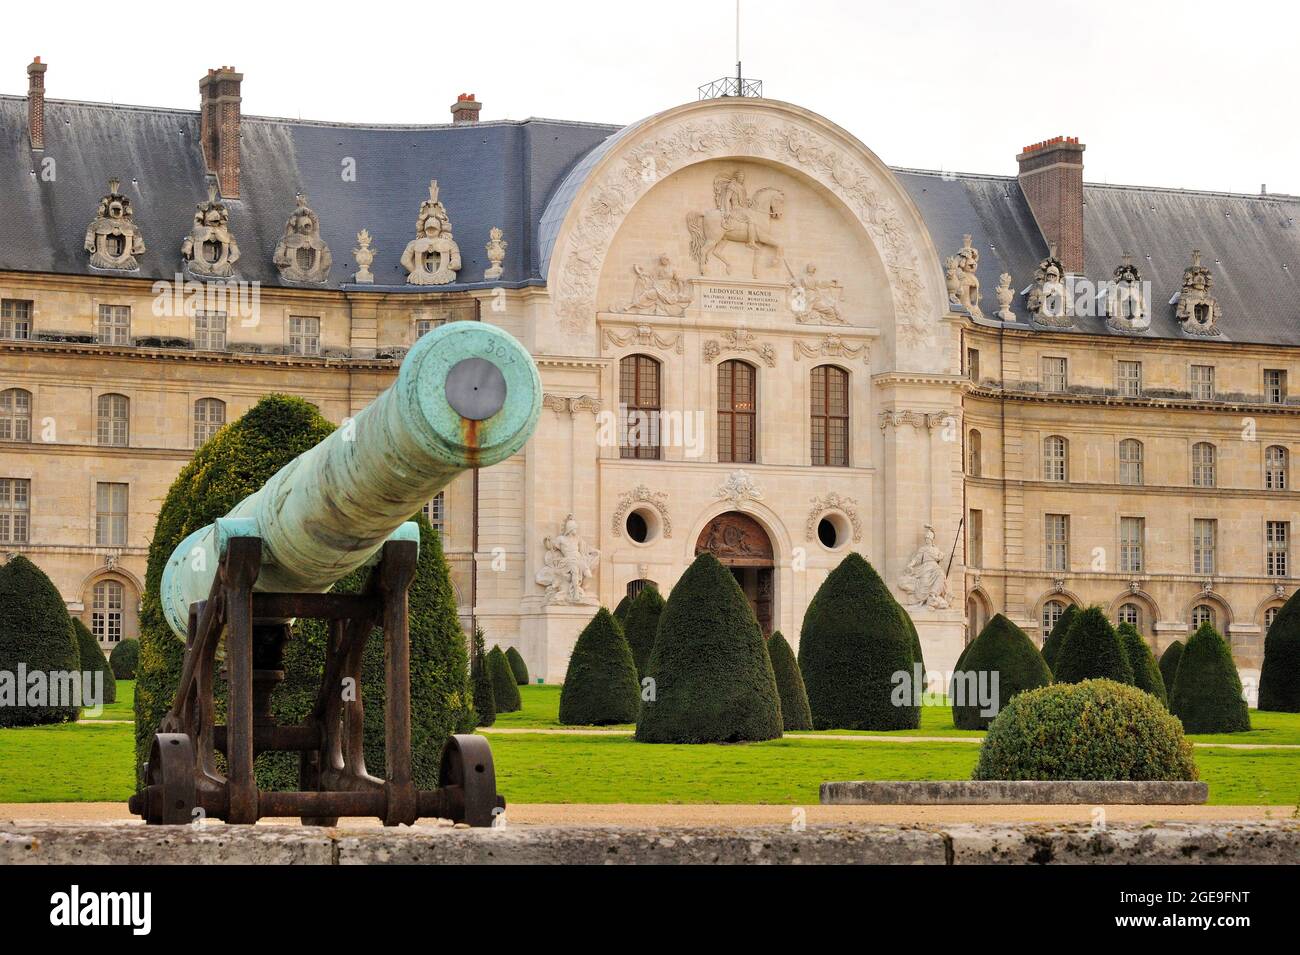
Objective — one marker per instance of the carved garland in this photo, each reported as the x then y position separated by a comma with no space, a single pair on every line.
833,502
642,495
643,336
739,340
917,419
571,403
832,346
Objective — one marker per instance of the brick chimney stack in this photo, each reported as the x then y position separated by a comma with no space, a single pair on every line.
219,114
465,109
1051,177
36,102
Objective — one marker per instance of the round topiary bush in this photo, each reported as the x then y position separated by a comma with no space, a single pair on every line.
1097,730
1091,651
93,659
641,625
1279,677
1169,664
124,659
485,701
600,685
852,644
36,633
795,714
1004,649
1207,690
517,666
1052,644
1146,672
713,681
505,691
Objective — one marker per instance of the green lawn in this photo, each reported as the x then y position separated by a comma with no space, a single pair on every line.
123,708
69,762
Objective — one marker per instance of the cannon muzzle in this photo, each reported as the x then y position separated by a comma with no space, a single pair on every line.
467,396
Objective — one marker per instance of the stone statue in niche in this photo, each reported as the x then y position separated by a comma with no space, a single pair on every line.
1126,304
432,257
567,564
1005,296
963,284
659,290
737,217
1198,309
364,255
924,580
112,238
496,253
301,255
815,301
210,248
1048,301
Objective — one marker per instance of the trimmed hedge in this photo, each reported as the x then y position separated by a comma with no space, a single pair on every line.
517,666
505,691
1052,644
622,608
485,701
125,659
600,684
641,625
795,714
853,642
1169,664
1091,651
93,659
1096,730
1279,677
713,680
1146,672
1004,649
1207,690
35,630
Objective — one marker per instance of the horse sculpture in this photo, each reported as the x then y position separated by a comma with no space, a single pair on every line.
710,229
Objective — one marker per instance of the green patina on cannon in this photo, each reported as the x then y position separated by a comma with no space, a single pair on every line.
467,396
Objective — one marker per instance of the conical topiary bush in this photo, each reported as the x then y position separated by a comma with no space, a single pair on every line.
1004,649
712,678
1207,690
1146,672
600,685
1279,677
1052,644
485,701
35,632
93,659
641,625
795,714
505,691
1169,665
1091,651
621,609
517,666
852,644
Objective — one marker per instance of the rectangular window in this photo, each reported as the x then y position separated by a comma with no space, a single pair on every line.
435,512
15,319
15,508
973,364
1129,377
304,335
210,331
114,325
1277,541
1275,386
975,539
425,325
1132,534
1204,539
1202,382
110,515
1054,374
1056,541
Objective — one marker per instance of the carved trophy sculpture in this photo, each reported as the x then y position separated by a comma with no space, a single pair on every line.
963,284
301,254
737,217
364,255
112,238
659,290
815,301
1126,300
567,564
210,248
1005,295
924,580
496,253
466,396
432,257
1198,309
1048,302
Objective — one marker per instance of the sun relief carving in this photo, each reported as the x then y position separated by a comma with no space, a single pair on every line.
739,339
112,238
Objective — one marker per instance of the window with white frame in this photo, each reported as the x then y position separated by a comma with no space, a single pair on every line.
209,416
1052,611
110,514
1275,386
1203,464
1277,542
113,421
210,331
1205,532
107,602
304,335
15,415
114,325
1056,458
1275,468
1129,379
15,510
1202,382
1132,536
435,512
1269,616
1201,614
1130,461
425,325
15,319
1056,541
1054,374
1130,614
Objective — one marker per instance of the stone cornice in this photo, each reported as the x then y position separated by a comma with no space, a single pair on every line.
203,357
887,378
1129,490
1117,401
1092,341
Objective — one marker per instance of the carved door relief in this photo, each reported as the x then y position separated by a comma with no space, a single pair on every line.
740,543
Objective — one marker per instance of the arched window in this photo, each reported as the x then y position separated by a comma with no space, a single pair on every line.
1130,613
1052,611
112,427
209,416
830,416
106,611
15,415
737,407
974,454
639,399
1275,465
1269,616
1202,613
634,587
1056,458
1130,461
1203,464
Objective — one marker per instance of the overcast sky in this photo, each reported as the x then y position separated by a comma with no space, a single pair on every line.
1181,94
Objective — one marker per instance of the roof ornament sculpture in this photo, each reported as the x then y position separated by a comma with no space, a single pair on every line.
364,255
112,238
1005,295
432,257
1197,308
1126,302
210,249
496,253
301,255
963,283
1048,302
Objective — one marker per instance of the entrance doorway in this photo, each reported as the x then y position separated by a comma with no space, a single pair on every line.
740,543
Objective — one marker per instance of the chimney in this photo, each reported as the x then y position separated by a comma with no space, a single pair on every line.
219,127
1051,177
36,102
465,109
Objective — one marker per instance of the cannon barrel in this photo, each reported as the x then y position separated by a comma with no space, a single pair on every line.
467,396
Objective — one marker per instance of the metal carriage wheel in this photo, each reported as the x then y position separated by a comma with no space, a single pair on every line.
467,764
